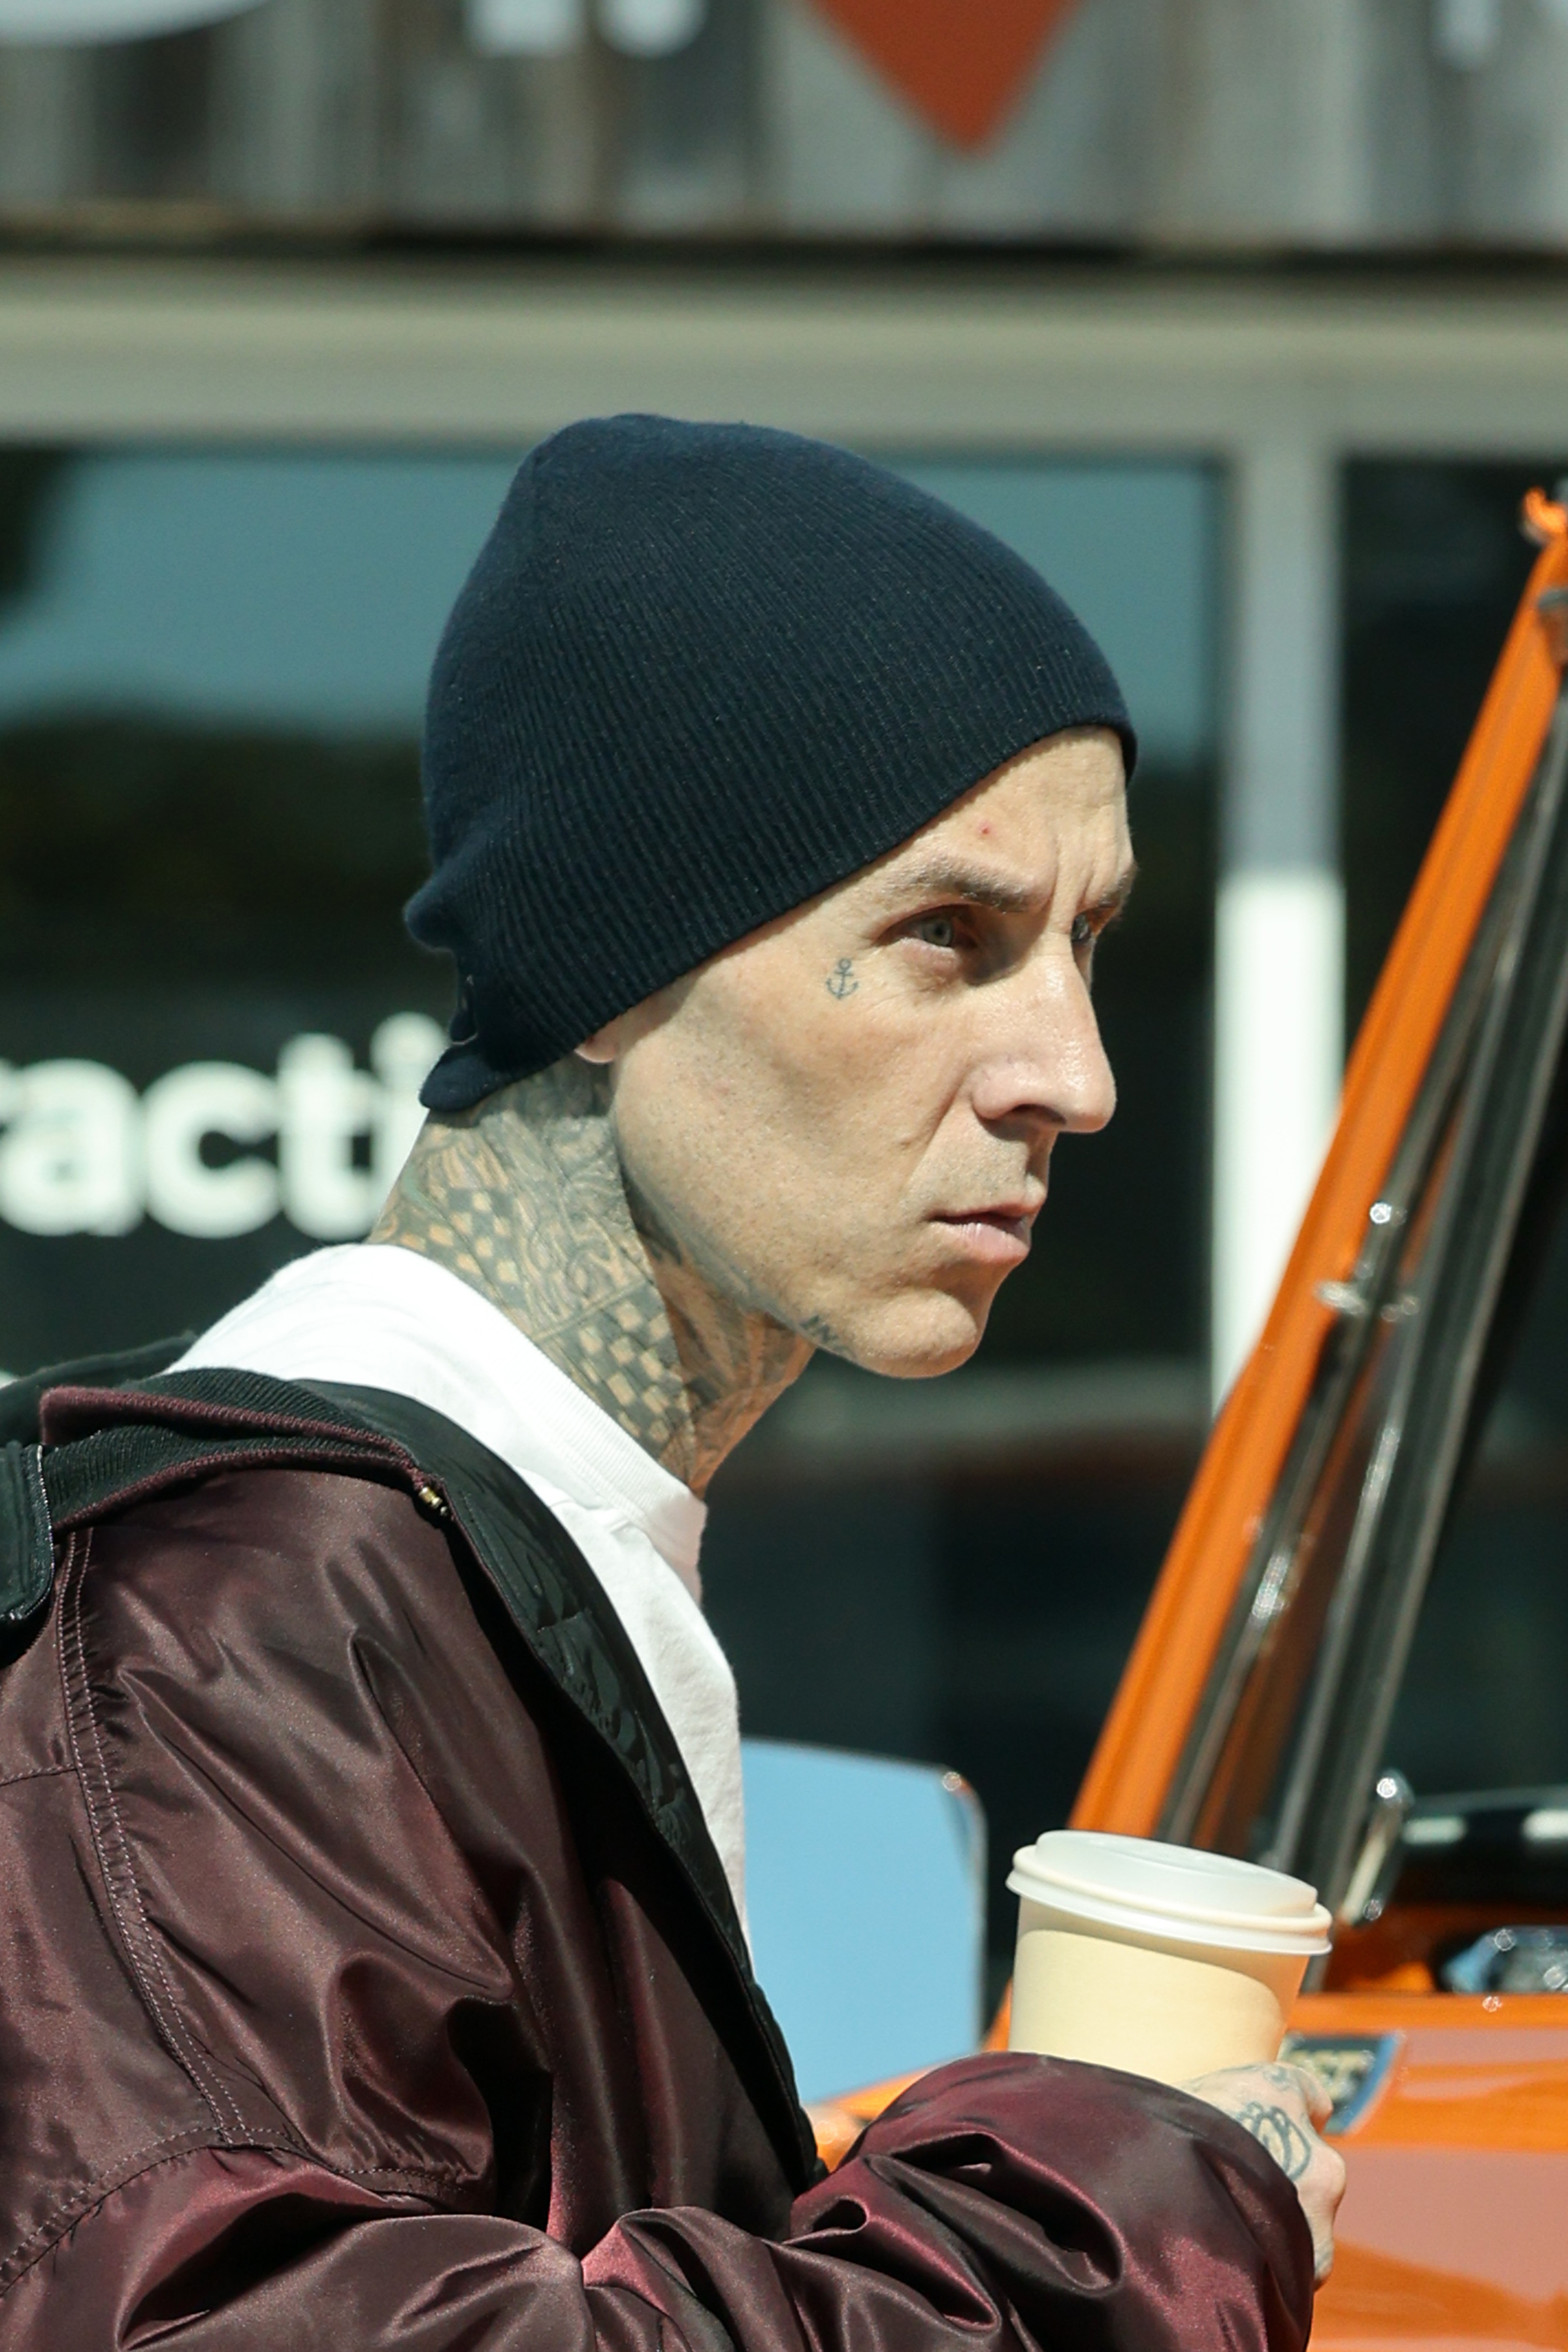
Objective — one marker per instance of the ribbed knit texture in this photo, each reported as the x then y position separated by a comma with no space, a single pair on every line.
698,674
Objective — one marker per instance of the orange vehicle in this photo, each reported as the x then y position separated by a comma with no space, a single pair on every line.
1255,1709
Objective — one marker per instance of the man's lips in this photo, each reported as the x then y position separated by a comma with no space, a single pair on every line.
999,1236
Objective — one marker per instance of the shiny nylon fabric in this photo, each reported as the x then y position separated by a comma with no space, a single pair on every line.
349,1998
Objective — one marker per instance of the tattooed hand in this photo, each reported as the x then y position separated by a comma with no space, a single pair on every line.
1280,2106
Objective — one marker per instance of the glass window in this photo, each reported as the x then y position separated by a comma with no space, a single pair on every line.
1436,1434
1435,564
211,673
1485,1699
212,1026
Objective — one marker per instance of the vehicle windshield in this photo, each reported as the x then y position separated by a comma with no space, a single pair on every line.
1405,1603
1484,1702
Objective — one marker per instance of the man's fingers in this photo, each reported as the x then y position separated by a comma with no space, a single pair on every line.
1280,2106
1321,2203
1319,2103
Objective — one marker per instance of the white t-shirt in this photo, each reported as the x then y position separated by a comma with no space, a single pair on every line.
376,1315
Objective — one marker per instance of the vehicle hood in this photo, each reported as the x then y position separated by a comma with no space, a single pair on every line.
1452,2116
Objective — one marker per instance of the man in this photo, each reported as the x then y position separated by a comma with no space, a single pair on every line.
374,1972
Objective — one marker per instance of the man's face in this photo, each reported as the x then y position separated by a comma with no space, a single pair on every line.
846,1119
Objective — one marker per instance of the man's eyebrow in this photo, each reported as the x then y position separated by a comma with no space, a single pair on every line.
951,877
1106,909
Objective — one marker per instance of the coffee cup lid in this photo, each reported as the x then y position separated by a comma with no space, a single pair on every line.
1175,1894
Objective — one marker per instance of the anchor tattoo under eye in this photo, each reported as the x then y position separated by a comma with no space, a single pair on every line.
841,980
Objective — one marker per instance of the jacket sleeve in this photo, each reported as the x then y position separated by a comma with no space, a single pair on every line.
1003,2204
280,1997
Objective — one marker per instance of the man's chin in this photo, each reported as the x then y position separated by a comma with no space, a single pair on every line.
917,1340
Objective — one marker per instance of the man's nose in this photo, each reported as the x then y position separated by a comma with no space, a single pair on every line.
1042,1056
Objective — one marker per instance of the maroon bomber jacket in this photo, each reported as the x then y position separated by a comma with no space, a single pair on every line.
368,1980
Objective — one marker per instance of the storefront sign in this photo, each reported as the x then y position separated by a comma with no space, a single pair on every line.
960,66
214,1149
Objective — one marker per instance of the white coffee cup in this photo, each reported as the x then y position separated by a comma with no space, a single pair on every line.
1159,1959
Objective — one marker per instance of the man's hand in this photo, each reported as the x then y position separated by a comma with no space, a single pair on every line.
1278,2106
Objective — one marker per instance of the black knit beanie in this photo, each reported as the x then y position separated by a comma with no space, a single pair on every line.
699,673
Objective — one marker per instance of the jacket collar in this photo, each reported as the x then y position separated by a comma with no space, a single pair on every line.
103,1447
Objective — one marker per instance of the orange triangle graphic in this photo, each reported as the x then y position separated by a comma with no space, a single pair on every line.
960,63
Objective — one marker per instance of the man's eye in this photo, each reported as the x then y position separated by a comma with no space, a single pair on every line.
937,930
1083,932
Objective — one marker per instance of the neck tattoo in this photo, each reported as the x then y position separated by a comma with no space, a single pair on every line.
525,1198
